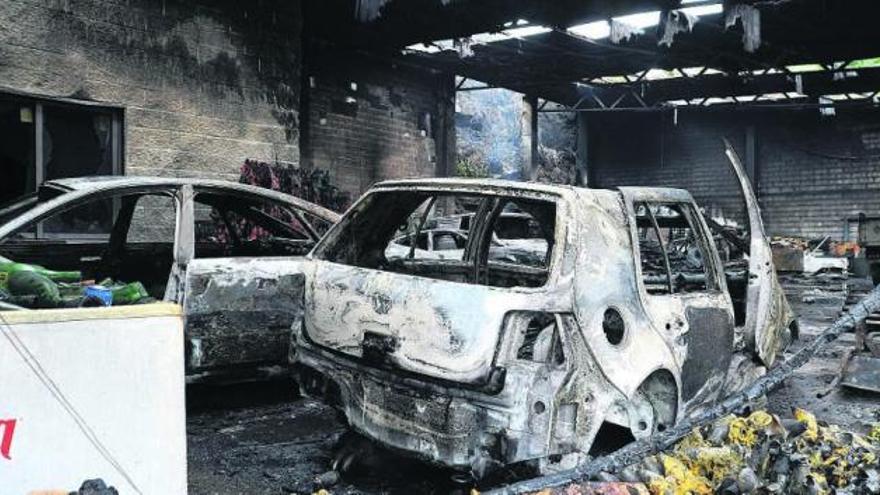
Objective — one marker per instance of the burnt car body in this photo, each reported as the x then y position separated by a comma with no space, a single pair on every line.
228,253
627,325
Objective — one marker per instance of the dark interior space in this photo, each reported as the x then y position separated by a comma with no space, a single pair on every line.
16,148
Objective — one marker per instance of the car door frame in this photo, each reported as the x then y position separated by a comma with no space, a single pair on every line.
669,313
769,322
197,362
119,236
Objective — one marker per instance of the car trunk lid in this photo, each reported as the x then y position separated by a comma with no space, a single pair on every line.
436,328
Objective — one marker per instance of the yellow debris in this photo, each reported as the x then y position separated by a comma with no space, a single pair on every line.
761,419
661,486
874,435
808,420
716,463
820,482
742,433
693,440
699,464
679,480
745,431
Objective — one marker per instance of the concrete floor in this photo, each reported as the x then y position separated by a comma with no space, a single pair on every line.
262,439
818,300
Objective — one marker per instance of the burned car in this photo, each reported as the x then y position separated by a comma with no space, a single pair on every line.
626,325
228,253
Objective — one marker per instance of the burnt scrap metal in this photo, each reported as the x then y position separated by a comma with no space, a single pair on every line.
239,311
862,372
750,17
861,364
599,488
672,23
635,452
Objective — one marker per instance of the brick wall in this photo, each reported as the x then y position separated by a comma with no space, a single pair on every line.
648,149
370,120
204,84
811,171
816,171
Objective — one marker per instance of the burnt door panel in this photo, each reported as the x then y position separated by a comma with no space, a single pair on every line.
684,294
239,311
767,310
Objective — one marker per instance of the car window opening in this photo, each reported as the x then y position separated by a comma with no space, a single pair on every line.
541,342
112,250
671,252
471,238
232,226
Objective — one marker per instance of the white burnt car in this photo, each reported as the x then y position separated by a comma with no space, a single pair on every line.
626,324
228,253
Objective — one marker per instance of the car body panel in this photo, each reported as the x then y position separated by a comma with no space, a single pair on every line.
768,313
347,307
239,311
463,320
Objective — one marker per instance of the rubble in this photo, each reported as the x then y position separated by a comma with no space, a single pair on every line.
556,166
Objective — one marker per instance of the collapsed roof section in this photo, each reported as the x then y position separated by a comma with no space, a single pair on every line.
602,54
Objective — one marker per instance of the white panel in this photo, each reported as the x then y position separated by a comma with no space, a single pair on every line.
123,373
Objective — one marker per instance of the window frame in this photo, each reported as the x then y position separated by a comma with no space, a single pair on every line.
690,213
74,199
311,231
116,134
40,103
324,248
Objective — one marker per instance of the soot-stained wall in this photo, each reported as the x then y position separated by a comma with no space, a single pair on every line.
811,171
370,120
204,84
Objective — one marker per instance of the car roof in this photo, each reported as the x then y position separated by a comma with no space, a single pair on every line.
503,185
492,184
104,182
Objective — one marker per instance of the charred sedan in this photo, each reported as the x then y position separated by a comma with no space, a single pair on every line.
229,253
626,324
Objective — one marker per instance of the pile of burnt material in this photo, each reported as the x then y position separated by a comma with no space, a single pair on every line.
761,453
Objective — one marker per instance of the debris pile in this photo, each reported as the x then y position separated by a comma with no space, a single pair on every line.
765,454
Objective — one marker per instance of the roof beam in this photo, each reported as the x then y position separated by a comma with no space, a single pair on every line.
722,85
